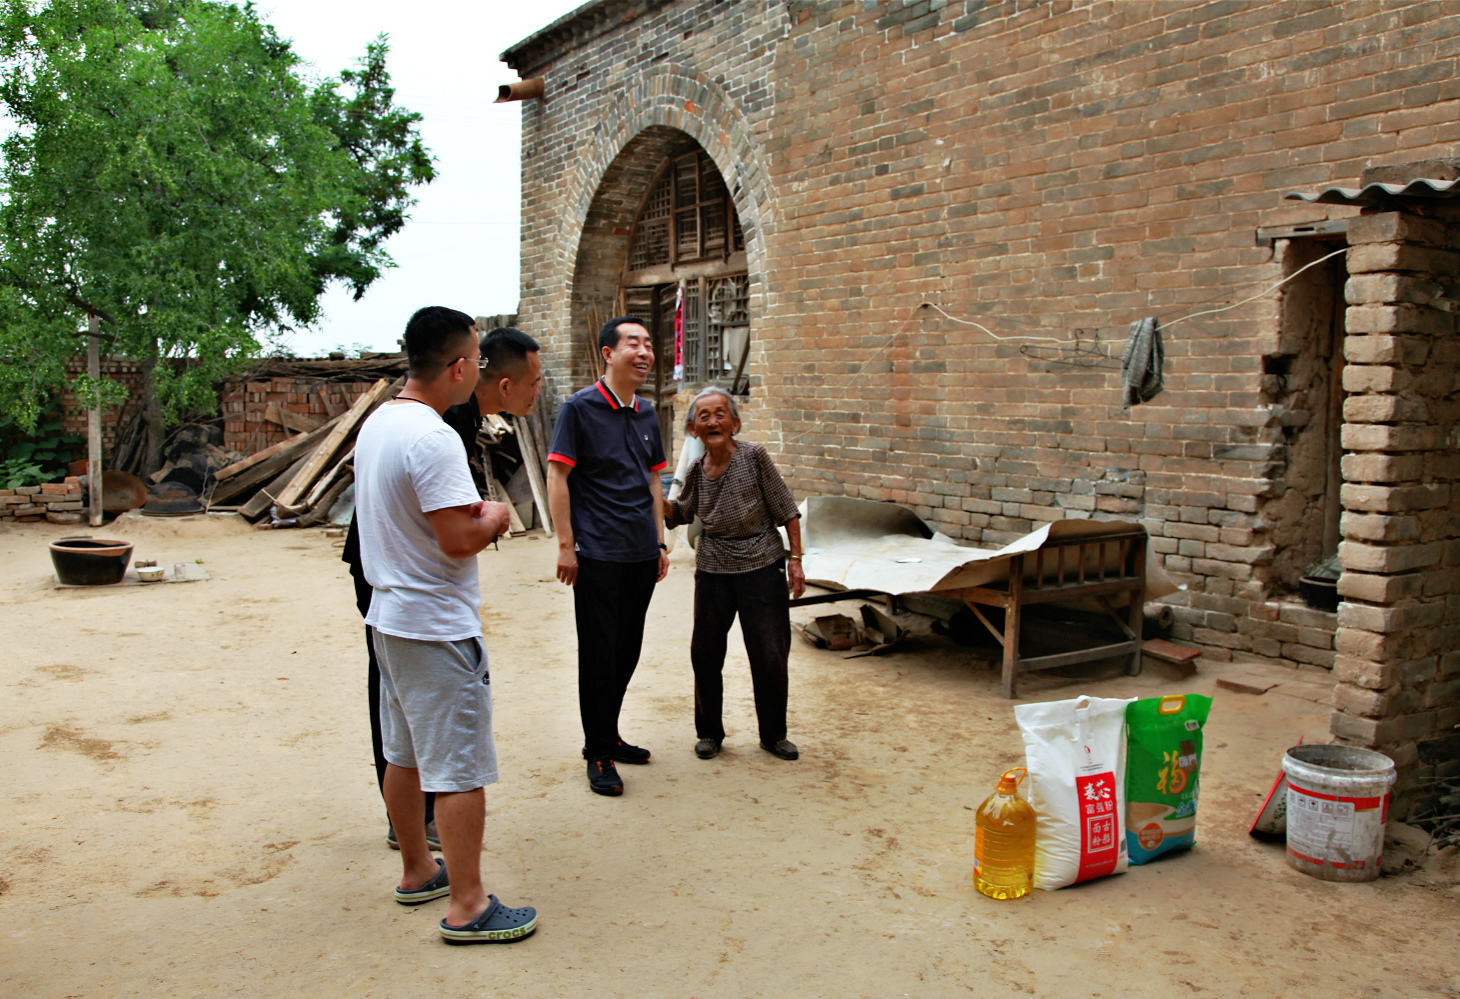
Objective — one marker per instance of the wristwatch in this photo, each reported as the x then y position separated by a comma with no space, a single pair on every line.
663,546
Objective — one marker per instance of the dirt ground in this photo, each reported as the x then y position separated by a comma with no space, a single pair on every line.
190,810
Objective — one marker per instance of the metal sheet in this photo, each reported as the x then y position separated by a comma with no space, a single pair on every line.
1379,194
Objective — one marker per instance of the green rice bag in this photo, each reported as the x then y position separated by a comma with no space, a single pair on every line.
1163,773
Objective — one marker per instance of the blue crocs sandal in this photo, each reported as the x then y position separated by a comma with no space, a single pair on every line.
437,887
498,924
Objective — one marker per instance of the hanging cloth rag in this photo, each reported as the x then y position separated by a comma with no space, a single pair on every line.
1140,368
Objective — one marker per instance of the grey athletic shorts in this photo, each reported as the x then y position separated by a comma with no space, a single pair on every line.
436,711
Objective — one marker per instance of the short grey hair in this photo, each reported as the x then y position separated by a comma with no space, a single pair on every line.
704,393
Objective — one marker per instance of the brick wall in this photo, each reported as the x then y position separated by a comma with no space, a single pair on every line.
1036,168
1044,173
1399,625
125,372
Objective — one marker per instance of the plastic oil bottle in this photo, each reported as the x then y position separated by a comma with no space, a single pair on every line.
1003,845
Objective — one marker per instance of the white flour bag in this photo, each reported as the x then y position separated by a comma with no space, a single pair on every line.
1075,752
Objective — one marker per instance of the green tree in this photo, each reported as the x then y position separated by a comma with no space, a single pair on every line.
174,172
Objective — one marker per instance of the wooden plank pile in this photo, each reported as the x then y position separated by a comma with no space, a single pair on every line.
524,451
297,481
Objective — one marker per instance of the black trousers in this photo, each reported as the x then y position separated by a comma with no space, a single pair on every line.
761,600
610,600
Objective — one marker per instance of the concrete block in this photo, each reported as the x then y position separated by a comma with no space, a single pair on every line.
1379,437
1366,289
1360,701
1309,655
1379,527
1366,673
1382,467
1412,257
1396,317
1387,227
1383,620
1359,557
1380,589
1394,499
1381,349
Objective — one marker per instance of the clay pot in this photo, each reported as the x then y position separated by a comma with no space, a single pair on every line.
90,561
1319,593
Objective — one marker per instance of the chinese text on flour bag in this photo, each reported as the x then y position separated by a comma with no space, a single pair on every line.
1075,752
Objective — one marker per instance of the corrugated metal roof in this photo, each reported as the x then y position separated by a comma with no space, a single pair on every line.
1380,194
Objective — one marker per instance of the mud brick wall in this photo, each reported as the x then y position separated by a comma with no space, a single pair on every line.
243,405
1399,625
125,372
1033,170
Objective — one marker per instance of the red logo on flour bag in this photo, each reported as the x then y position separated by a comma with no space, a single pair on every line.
1099,828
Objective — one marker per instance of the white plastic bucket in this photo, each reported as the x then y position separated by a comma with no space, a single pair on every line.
1338,802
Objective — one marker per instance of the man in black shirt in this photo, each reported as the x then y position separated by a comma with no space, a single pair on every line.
608,508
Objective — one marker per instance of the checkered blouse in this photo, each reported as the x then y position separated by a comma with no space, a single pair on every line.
741,511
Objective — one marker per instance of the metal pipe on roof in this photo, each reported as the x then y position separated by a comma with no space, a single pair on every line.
522,90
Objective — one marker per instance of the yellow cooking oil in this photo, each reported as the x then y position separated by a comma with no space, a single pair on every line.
1003,844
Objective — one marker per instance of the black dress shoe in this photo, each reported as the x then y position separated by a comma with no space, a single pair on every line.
622,752
785,750
707,749
603,777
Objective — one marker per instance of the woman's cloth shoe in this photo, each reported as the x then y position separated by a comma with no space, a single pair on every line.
707,749
437,887
498,924
785,750
603,776
433,839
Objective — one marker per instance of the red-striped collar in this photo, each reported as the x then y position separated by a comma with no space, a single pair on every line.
612,399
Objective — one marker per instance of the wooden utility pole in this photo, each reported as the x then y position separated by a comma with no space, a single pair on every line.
93,419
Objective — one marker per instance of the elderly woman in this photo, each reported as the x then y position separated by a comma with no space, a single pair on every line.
740,567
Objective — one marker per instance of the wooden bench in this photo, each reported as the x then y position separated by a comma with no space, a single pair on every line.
1061,570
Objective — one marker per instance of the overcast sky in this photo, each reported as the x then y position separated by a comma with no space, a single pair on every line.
461,248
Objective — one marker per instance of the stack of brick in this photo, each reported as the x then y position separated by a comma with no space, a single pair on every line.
244,404
1399,624
58,502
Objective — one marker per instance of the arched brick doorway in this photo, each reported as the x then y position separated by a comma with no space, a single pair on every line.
662,236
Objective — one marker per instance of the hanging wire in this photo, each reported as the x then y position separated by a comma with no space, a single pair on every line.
1194,315
1300,270
1079,333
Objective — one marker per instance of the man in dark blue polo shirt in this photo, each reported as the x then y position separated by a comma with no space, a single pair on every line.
608,507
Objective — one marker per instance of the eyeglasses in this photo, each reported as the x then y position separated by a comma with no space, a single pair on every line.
481,361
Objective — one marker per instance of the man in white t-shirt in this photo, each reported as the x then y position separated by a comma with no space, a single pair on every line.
422,524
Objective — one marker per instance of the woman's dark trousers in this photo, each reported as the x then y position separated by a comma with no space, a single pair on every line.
761,600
